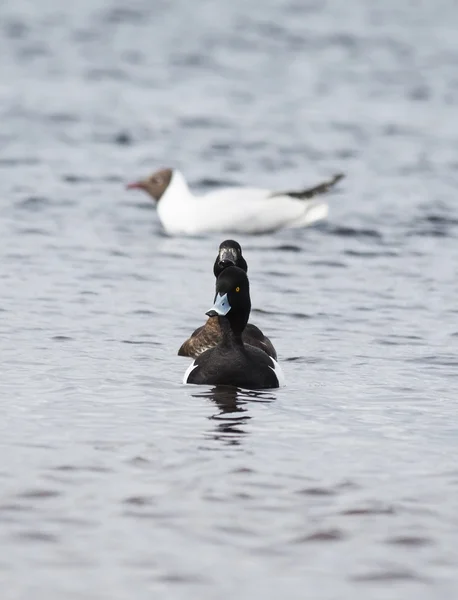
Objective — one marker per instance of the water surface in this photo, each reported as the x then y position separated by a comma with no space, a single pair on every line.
119,482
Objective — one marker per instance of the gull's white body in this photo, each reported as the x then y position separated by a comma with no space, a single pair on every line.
237,209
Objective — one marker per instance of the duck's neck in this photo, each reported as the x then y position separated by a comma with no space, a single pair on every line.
231,330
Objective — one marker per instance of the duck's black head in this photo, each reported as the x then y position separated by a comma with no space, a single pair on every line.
229,254
232,298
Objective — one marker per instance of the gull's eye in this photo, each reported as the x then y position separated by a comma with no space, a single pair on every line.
237,289
156,181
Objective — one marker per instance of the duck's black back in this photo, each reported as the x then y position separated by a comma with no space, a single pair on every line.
239,365
253,336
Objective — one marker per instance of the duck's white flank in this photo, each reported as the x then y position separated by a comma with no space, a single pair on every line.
191,367
278,372
238,209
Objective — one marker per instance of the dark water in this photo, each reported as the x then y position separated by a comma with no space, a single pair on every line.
118,482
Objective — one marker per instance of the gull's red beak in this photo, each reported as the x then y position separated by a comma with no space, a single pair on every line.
136,185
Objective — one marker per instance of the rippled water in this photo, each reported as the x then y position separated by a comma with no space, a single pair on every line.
117,481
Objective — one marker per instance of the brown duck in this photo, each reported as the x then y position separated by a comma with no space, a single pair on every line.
209,335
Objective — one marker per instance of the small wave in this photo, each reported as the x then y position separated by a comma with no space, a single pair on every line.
33,231
76,179
356,233
444,361
38,536
16,162
297,315
138,500
371,254
288,248
317,491
368,510
34,203
389,575
39,494
441,220
410,541
139,343
325,535
304,359
82,468
123,138
329,263
123,15
433,225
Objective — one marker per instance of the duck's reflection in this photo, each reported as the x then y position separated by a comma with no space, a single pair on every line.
234,410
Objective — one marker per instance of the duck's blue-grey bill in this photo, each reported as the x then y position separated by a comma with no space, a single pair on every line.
220,307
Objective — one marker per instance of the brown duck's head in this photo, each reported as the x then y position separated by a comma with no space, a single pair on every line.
229,254
155,185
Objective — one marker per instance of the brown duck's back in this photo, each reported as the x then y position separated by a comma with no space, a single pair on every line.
203,338
209,335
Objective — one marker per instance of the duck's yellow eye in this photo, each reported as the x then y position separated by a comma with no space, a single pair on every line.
237,289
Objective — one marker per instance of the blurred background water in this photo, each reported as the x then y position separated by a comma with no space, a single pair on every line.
117,481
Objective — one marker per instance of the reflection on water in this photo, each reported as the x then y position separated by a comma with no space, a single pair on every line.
234,407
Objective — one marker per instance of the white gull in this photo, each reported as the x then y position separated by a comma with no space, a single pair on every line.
233,209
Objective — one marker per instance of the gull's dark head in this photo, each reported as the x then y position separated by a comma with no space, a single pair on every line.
155,185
